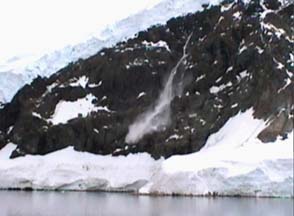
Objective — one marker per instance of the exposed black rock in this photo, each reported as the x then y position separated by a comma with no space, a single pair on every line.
239,56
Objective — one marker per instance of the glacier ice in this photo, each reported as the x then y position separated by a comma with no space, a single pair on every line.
15,76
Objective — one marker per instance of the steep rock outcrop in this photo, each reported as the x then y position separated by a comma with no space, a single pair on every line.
239,56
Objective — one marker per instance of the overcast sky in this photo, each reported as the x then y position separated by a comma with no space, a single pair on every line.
32,26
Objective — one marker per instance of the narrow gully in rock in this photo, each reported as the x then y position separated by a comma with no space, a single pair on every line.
156,118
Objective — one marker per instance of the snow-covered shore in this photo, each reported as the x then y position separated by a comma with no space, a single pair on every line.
233,162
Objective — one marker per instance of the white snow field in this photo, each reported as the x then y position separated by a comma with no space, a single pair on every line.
232,163
19,70
67,110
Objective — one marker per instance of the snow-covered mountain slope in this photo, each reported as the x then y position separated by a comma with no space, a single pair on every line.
228,165
211,92
149,92
233,162
13,75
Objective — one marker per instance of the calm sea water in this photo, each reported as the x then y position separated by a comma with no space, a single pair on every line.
22,203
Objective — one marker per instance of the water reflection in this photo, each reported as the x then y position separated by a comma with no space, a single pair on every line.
21,203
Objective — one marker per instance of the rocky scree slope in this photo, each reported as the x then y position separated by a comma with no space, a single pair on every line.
238,56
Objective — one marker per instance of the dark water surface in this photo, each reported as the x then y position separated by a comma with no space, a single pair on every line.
14,203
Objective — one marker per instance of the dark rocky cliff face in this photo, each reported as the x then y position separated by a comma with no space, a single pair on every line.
239,56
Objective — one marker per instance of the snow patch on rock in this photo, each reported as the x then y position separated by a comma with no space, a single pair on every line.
67,110
160,43
82,81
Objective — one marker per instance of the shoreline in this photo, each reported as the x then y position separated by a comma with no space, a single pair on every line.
135,193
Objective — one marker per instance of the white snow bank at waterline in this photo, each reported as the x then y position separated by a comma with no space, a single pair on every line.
233,162
68,169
